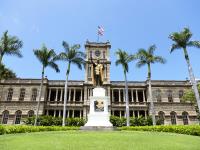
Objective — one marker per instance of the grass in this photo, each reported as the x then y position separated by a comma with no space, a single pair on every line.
83,140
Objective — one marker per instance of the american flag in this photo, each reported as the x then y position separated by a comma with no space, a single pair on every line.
100,30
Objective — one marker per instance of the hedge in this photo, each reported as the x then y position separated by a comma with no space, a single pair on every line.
180,129
10,129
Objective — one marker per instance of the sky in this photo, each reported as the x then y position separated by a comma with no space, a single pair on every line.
128,24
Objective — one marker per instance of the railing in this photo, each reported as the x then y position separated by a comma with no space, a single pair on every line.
62,102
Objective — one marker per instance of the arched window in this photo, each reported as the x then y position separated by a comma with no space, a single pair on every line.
10,94
22,94
169,95
18,115
30,113
158,95
185,118
5,116
180,93
34,94
173,117
161,116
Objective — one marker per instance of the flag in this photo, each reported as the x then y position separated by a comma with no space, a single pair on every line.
100,30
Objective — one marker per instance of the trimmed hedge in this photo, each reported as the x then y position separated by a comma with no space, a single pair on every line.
55,121
11,129
180,129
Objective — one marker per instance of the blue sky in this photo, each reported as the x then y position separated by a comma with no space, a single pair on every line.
128,24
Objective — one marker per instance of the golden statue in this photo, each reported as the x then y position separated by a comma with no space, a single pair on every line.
97,74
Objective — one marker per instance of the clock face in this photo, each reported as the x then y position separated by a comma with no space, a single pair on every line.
97,53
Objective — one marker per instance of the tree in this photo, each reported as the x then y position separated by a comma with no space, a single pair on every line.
47,59
71,55
182,41
10,45
6,73
147,57
123,59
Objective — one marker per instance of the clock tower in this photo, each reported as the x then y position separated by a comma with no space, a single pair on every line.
97,52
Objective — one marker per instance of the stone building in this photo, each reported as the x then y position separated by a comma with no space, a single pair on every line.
18,97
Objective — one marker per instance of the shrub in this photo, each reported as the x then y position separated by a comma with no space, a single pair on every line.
11,129
55,121
181,129
117,121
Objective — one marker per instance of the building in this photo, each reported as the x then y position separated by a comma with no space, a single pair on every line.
18,97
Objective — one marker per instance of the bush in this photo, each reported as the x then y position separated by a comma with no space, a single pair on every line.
134,121
10,129
55,121
181,129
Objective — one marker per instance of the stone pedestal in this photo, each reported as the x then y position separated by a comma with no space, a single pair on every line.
98,117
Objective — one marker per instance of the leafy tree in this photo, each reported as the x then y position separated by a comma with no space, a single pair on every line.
71,55
10,45
47,59
182,41
147,57
6,73
123,59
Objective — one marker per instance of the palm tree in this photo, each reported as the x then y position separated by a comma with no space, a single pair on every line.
9,45
6,73
123,59
182,41
47,58
72,55
147,57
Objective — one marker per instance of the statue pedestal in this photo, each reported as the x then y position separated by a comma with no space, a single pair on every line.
98,117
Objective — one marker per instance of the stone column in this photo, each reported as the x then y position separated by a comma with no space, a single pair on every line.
112,95
61,95
119,96
138,113
74,95
136,95
49,94
56,95
68,113
143,96
73,113
69,95
47,112
145,114
132,99
54,113
81,95
80,114
120,114
59,113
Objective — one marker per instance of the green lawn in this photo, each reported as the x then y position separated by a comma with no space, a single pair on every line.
118,140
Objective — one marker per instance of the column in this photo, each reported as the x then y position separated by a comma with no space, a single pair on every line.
69,95
73,113
81,95
74,95
124,100
59,113
47,112
138,113
132,100
145,114
49,94
119,96
61,95
120,114
80,114
68,113
56,95
54,113
112,95
136,95
143,96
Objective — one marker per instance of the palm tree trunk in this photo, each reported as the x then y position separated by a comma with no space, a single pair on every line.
152,110
192,79
1,57
40,95
65,95
127,102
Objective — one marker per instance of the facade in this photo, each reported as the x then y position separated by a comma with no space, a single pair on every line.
18,97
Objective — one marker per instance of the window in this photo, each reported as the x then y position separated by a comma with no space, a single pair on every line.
173,117
30,113
10,94
161,117
22,94
169,94
104,54
34,94
158,95
89,71
185,118
5,116
18,116
180,93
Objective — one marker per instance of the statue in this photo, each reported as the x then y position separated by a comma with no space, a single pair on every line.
97,73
